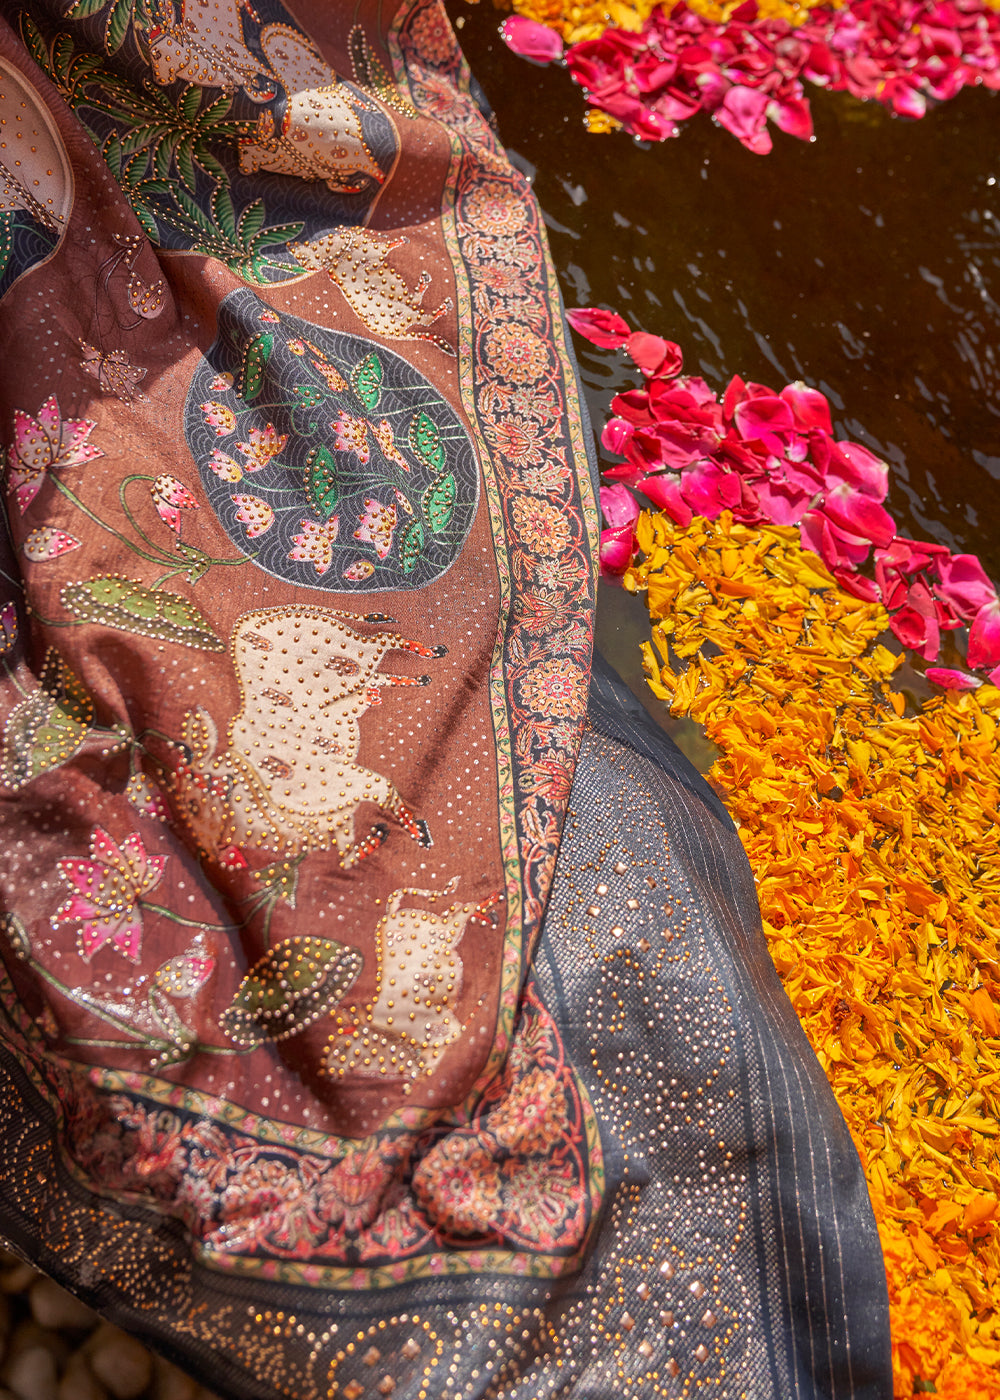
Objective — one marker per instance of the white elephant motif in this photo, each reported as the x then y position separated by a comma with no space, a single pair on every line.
287,780
411,1019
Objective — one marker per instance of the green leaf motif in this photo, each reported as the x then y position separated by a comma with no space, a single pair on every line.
127,605
439,501
46,728
366,381
308,395
255,362
411,542
118,25
321,481
426,441
294,983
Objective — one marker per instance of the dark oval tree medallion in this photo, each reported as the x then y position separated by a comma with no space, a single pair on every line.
326,457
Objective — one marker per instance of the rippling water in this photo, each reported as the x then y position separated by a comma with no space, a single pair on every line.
866,263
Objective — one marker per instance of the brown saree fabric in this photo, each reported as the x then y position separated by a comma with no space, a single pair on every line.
295,672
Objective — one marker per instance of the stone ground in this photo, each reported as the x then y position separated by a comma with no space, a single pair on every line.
52,1347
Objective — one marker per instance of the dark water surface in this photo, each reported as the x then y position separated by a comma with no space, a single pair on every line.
866,263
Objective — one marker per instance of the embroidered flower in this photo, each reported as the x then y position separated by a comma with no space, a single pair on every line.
360,569
265,443
170,497
382,433
267,1202
224,466
432,35
219,417
44,443
532,1116
220,384
519,439
376,526
253,513
494,208
314,545
507,281
350,434
351,1193
48,543
554,688
458,1186
516,353
108,889
549,777
540,527
545,1201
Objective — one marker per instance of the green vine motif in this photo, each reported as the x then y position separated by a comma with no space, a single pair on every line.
240,240
171,1043
161,150
123,16
155,134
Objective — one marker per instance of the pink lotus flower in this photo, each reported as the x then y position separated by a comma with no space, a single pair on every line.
377,525
107,892
314,543
219,417
48,543
186,974
224,466
529,39
351,435
253,513
265,443
170,497
44,444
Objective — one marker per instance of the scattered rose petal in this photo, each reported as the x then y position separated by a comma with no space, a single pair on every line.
952,680
529,39
603,328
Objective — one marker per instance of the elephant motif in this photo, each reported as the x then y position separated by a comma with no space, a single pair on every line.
405,1028
287,781
320,136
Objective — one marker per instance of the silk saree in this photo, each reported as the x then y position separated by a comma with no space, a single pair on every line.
385,1007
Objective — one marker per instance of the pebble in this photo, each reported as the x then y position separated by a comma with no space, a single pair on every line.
170,1382
32,1374
122,1364
79,1382
53,1307
53,1347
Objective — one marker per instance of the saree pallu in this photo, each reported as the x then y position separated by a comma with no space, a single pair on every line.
318,1072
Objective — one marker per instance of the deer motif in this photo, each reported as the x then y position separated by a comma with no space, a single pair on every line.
358,262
